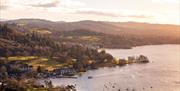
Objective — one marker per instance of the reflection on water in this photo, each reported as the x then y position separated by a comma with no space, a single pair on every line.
161,74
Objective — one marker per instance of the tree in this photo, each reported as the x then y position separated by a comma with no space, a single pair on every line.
103,52
3,70
40,69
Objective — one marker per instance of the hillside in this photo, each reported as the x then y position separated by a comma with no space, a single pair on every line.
18,43
100,26
104,34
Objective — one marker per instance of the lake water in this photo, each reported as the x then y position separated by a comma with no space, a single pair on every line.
161,74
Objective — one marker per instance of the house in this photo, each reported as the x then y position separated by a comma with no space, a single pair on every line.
17,69
142,59
65,71
122,61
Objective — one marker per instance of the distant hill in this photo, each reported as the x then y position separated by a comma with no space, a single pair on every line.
108,34
100,26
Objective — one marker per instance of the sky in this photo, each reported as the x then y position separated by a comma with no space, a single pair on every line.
152,11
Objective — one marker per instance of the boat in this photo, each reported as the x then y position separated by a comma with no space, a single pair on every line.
90,77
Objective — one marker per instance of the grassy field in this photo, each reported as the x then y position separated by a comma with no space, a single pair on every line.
37,89
90,38
36,61
41,31
21,58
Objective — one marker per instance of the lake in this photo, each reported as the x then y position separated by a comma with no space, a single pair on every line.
161,74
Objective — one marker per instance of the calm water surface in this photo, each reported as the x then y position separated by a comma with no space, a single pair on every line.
161,74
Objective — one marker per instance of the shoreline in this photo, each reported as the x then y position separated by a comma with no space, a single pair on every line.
124,48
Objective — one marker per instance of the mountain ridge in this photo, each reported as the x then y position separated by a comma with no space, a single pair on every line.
104,34
97,26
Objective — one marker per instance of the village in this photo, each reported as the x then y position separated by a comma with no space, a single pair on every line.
17,68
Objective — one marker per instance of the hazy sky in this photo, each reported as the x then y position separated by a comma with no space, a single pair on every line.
153,11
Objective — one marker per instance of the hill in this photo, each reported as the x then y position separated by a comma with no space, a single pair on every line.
99,26
101,33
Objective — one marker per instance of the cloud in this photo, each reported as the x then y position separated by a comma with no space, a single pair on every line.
3,7
166,1
98,13
138,16
46,5
72,3
3,4
57,3
110,14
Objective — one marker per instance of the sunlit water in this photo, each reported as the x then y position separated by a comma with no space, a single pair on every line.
161,74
